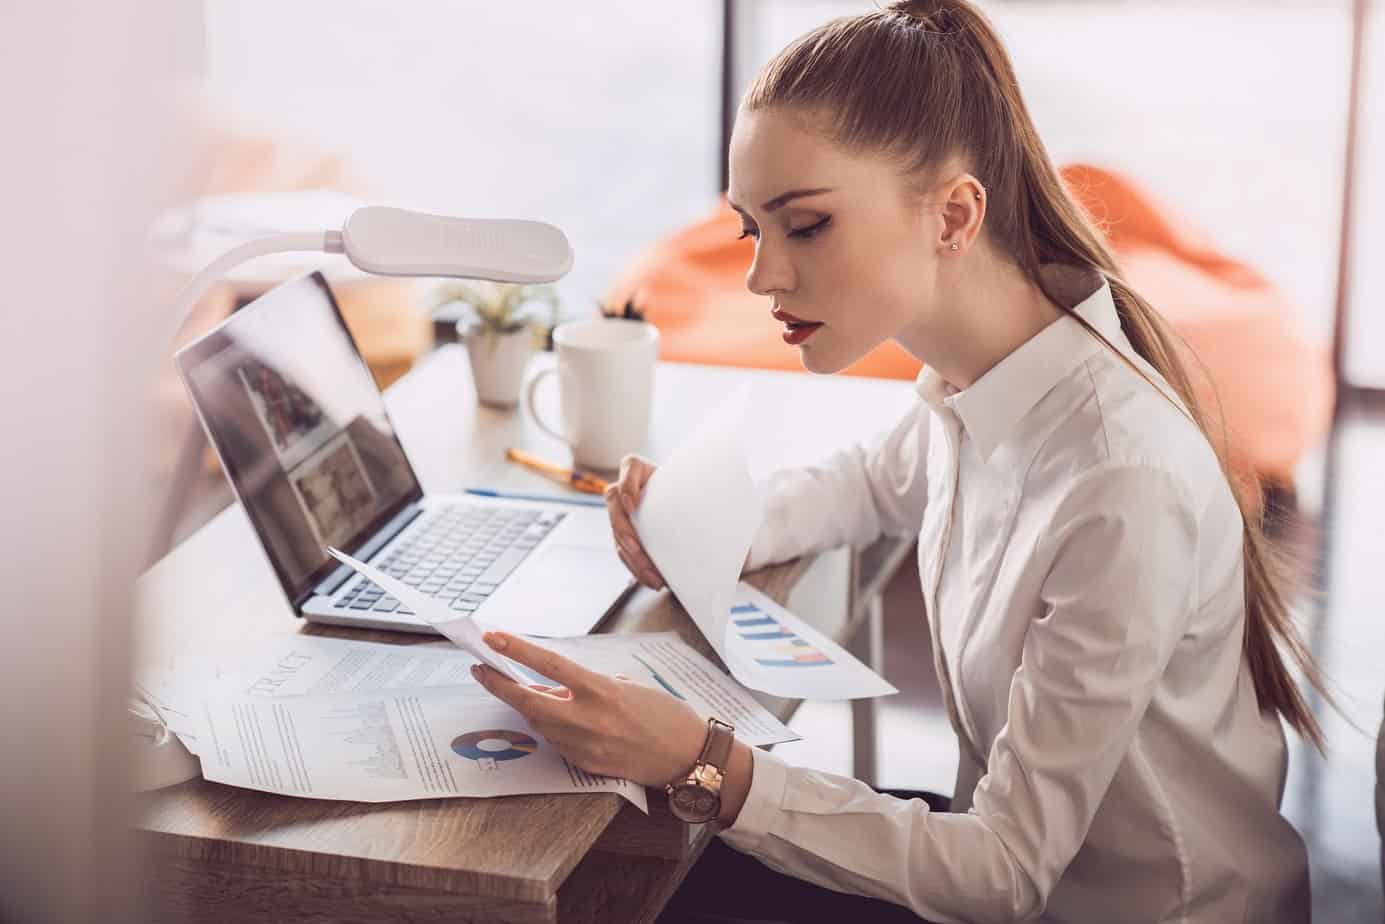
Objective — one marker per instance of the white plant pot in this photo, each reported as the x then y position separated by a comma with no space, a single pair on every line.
497,363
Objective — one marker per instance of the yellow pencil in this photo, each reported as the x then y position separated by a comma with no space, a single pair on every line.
582,481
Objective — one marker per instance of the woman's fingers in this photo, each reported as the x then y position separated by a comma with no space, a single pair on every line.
614,512
619,501
631,551
639,477
646,574
646,566
548,663
637,560
634,474
534,705
615,509
622,498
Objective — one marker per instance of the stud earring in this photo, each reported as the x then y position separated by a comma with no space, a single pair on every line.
954,246
978,196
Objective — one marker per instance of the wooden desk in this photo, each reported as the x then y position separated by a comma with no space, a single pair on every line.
218,853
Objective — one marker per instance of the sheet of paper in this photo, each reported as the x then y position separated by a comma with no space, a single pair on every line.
459,627
699,514
664,661
295,665
698,517
174,693
313,665
770,649
386,746
368,721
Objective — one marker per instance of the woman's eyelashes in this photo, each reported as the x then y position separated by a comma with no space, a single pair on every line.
810,230
801,233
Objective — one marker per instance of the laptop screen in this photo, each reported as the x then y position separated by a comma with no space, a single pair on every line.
300,429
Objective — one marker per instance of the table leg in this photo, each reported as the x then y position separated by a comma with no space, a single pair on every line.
868,644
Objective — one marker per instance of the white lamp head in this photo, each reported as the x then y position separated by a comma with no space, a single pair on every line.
397,242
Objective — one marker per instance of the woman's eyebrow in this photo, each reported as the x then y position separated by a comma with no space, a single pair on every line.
784,198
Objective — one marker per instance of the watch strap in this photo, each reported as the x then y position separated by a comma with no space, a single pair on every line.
716,750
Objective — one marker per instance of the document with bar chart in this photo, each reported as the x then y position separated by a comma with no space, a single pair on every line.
770,649
700,548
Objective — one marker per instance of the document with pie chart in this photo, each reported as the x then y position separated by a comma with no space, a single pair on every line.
386,744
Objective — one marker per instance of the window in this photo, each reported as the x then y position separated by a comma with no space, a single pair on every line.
600,117
1363,358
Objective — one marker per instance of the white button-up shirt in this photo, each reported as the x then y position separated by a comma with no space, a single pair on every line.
1080,555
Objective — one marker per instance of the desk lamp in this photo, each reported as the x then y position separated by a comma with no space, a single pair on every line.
397,242
386,242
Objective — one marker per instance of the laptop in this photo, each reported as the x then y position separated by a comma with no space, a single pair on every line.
303,436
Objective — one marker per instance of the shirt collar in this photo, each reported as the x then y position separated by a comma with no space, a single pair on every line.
995,403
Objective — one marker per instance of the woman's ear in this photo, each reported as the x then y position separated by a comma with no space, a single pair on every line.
964,209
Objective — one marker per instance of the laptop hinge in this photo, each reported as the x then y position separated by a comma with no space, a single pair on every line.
368,549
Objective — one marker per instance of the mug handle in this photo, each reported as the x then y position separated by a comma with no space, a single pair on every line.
533,409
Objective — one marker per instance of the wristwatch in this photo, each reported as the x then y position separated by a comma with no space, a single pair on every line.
696,797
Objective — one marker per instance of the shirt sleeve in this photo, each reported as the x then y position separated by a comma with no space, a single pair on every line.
851,498
1119,562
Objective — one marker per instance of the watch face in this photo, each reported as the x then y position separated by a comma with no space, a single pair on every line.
694,804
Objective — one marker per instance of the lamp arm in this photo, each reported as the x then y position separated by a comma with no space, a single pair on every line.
315,241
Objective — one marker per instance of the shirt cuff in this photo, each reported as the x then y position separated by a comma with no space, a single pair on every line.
767,783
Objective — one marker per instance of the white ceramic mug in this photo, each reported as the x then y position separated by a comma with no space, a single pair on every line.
606,380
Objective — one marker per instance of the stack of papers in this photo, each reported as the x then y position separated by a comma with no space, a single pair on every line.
327,718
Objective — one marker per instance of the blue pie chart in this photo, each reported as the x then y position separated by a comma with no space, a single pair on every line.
495,743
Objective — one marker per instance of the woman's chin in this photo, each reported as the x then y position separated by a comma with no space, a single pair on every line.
823,362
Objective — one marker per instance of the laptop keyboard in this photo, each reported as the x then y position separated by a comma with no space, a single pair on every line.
460,554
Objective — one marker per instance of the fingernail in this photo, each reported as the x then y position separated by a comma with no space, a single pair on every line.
496,640
476,671
626,545
627,503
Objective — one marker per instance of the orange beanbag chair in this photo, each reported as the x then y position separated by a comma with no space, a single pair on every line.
1275,388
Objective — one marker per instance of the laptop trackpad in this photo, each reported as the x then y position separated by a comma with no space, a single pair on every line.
564,591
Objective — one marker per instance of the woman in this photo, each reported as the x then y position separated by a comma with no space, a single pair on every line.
1106,630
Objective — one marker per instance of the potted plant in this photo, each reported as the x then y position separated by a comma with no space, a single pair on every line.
629,311
501,329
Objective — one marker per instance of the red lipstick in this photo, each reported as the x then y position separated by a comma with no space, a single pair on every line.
799,330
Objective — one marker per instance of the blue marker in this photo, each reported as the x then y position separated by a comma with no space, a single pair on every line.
581,501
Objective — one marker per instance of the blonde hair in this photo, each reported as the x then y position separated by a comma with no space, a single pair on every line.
926,80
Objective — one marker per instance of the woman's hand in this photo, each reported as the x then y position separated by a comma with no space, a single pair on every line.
611,726
622,498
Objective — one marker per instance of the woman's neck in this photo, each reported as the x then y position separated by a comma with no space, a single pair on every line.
985,309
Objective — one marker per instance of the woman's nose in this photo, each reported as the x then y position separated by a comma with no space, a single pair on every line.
769,273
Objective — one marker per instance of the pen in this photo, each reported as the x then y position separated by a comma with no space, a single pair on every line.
541,498
585,482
